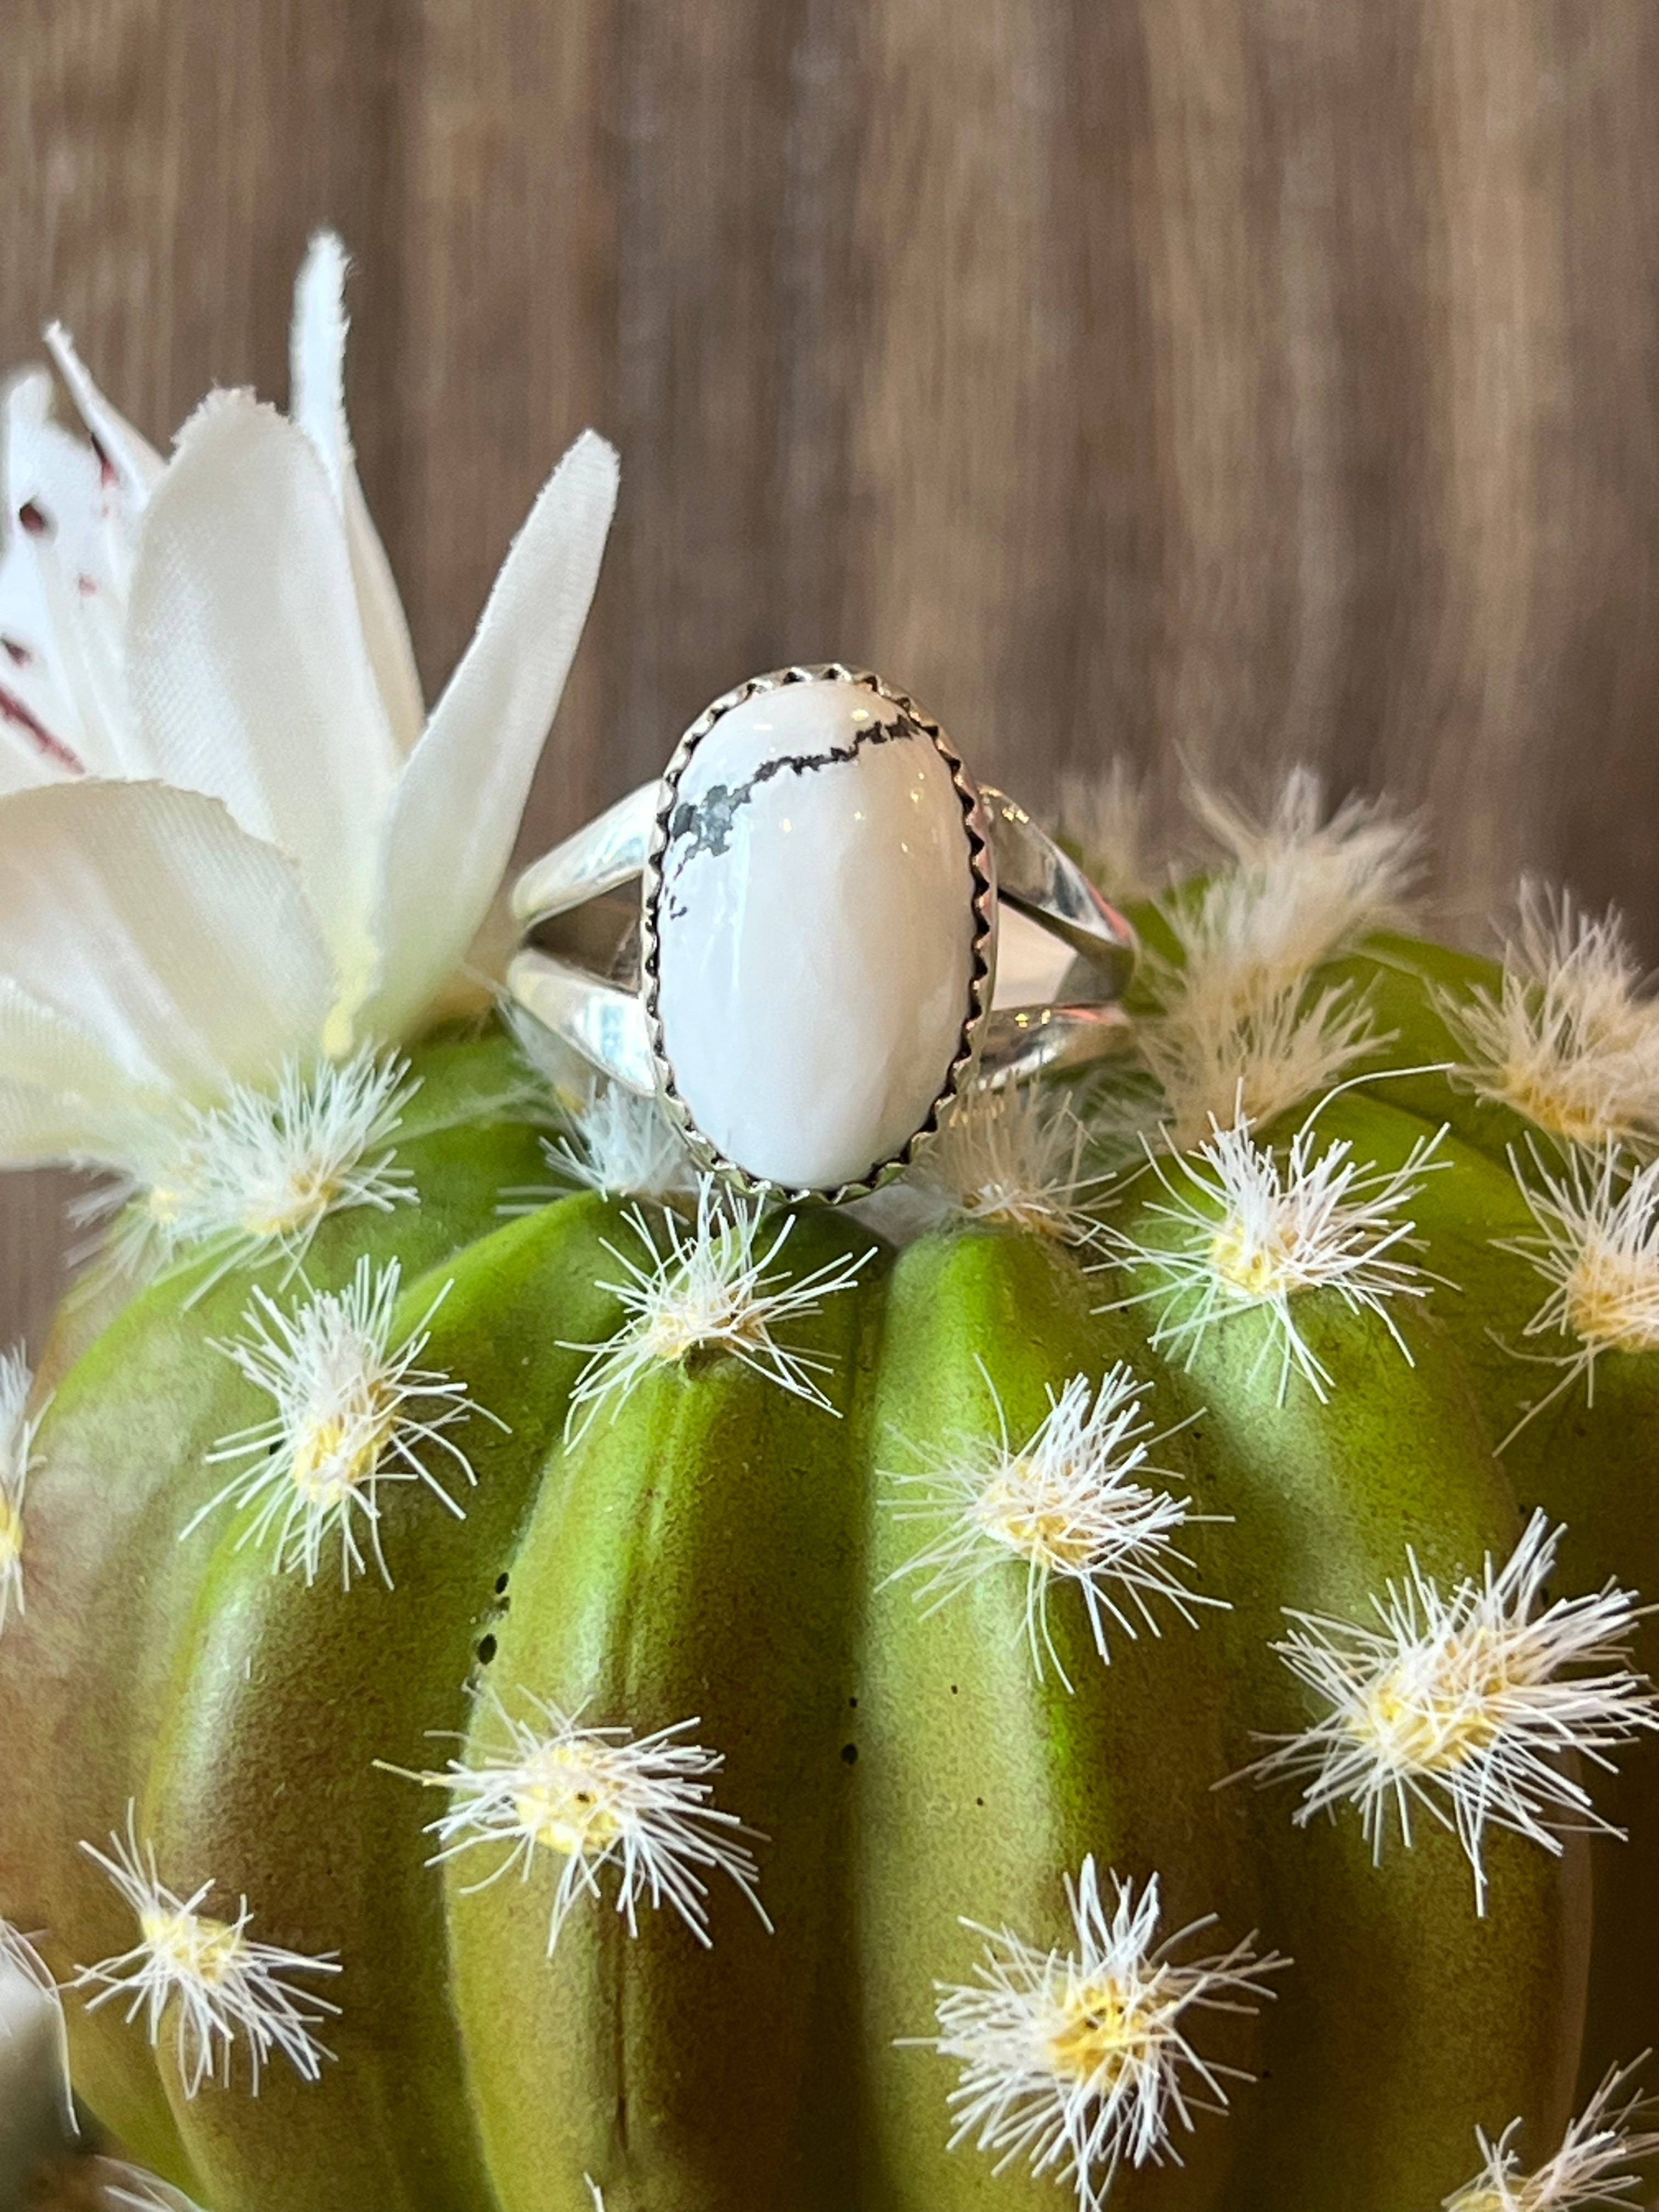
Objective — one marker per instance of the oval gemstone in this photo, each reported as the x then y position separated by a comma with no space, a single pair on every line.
815,932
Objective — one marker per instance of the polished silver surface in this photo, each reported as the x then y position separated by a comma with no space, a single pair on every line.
588,971
1034,875
1021,1041
611,851
604,1022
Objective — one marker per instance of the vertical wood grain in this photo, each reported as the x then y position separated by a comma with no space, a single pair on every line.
501,201
1226,381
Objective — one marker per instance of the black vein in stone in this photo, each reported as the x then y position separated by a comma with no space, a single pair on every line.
705,824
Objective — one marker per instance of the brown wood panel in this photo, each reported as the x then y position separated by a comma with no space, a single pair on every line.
1231,380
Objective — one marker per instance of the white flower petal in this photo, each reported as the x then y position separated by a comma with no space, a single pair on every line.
458,807
25,741
137,463
39,728
39,1045
64,1096
317,403
39,1128
162,933
63,698
249,674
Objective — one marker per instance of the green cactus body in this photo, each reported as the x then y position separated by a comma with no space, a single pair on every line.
1583,1461
909,1746
91,1671
1394,1967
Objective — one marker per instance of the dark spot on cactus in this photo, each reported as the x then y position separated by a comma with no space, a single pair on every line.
853,1702
980,1801
487,1648
849,1753
501,1584
955,1692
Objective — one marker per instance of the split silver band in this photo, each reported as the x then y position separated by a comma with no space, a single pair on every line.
797,757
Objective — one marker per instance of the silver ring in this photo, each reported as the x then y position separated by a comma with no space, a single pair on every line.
808,976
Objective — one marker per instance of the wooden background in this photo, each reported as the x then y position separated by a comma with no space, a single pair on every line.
1234,380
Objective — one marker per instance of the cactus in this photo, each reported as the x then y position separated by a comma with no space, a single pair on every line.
1112,1672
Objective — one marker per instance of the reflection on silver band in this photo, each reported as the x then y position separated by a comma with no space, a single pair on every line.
603,1022
589,971
610,852
1037,879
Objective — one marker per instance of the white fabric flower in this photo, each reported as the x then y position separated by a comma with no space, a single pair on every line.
231,838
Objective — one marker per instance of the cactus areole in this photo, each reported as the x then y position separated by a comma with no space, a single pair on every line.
1113,1672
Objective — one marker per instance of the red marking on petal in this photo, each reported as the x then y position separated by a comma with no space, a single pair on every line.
87,586
35,517
22,656
13,710
106,473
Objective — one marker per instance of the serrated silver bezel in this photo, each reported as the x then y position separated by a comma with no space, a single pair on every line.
976,822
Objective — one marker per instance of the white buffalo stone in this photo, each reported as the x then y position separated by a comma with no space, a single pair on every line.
815,929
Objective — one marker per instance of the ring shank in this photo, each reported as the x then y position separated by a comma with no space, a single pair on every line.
602,1021
610,852
580,981
1044,883
605,1023
1033,875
